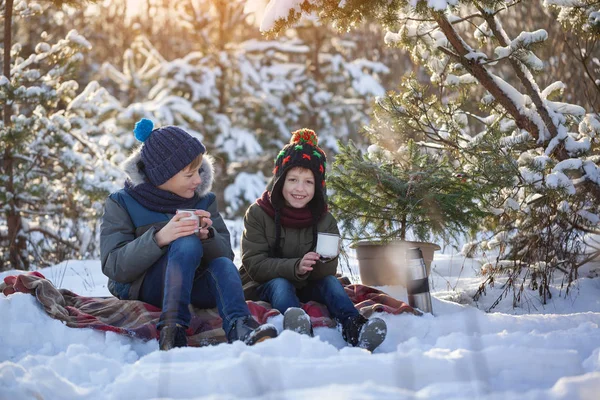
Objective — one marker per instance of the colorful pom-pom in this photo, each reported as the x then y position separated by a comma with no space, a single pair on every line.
143,129
305,136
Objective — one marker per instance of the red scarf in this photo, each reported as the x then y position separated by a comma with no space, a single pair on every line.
290,217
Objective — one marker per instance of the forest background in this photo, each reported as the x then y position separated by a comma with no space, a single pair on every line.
80,74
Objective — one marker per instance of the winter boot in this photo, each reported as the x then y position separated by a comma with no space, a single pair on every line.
250,332
365,333
172,336
297,320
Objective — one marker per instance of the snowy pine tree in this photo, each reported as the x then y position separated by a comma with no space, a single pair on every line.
548,147
55,176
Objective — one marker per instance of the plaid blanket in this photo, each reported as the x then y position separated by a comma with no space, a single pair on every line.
138,319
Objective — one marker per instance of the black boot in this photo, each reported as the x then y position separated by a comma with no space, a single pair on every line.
250,332
172,336
365,333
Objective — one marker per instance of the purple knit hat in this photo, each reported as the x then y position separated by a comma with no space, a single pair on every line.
165,151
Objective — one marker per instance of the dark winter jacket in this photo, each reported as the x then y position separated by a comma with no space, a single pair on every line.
259,237
127,244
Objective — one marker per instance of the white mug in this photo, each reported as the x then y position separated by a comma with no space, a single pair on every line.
328,245
191,216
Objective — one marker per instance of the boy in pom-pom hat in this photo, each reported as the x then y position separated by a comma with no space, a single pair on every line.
151,253
279,262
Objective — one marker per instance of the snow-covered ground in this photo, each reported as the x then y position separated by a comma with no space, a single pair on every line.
461,352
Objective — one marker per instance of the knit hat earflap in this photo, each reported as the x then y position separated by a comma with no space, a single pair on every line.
165,151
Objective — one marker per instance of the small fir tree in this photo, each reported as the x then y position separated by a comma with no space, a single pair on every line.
404,194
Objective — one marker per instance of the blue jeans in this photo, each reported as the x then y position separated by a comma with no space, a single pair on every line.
282,294
176,280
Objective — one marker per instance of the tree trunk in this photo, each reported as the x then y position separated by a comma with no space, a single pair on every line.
221,42
13,218
483,76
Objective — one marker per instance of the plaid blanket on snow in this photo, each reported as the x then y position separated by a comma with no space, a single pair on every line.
138,319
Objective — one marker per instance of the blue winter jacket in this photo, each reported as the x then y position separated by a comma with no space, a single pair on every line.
127,244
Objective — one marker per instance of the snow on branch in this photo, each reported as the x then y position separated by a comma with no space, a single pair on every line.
581,15
559,180
555,87
280,10
506,95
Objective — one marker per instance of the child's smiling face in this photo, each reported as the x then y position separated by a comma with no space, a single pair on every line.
299,187
184,183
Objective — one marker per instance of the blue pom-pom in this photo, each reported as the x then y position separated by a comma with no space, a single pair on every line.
143,129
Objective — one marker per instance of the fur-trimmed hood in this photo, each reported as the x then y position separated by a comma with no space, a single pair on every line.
130,167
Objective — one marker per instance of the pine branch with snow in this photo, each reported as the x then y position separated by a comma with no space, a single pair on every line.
581,15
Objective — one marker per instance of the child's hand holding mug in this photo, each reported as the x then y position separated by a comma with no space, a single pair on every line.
184,223
307,262
202,221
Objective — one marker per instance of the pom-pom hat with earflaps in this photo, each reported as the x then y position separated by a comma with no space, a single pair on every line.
302,151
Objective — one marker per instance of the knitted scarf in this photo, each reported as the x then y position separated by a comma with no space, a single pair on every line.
290,218
159,200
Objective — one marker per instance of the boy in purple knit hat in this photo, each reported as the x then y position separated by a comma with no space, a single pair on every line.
279,260
151,253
